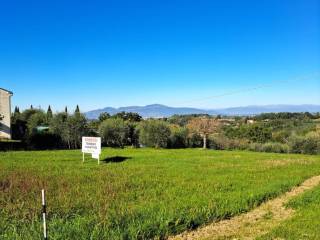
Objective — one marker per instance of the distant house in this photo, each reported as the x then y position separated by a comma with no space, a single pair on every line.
5,113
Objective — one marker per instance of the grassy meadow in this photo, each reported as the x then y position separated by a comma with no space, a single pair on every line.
305,224
139,193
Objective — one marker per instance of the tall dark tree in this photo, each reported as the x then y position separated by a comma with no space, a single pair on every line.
77,111
66,110
49,113
16,110
31,107
15,115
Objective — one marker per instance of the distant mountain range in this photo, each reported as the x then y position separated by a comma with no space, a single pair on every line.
158,110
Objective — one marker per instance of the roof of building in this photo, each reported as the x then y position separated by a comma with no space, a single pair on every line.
6,90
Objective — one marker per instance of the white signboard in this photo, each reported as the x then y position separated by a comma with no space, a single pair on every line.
95,155
91,145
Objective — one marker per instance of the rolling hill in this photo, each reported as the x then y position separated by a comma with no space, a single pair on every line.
158,110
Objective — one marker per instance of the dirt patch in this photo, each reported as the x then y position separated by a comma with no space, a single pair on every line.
254,223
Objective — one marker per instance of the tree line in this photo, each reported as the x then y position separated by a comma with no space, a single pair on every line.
48,130
274,132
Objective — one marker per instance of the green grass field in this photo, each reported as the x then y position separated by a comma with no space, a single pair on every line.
138,193
306,222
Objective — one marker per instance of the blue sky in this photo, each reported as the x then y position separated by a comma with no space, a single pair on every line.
179,53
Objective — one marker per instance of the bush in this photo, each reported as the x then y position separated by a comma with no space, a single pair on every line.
113,132
224,143
154,133
307,145
257,133
255,147
11,145
269,147
275,147
43,141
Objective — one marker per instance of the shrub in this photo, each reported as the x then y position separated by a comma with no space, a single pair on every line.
257,133
269,147
222,142
154,133
45,140
308,145
11,145
275,147
255,147
280,136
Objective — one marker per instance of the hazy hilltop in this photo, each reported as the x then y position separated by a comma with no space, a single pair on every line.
158,110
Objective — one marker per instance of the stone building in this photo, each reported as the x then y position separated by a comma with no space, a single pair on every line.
5,113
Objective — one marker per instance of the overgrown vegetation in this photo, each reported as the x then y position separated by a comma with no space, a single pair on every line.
138,193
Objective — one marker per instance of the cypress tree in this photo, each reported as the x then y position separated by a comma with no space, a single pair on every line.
66,110
77,109
16,110
49,112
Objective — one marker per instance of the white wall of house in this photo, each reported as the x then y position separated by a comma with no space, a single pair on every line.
5,110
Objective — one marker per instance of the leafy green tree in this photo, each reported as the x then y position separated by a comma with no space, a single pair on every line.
154,133
133,133
18,125
195,140
104,116
93,127
24,124
70,128
26,114
77,127
128,116
36,120
59,126
113,132
178,137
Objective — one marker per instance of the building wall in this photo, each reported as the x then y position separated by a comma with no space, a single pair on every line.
5,110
